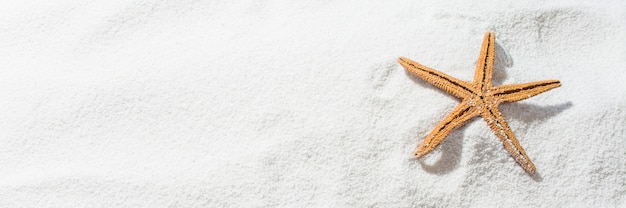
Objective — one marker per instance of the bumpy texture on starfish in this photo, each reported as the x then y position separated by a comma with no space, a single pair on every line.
479,98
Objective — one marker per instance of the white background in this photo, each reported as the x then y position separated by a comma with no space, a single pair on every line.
302,104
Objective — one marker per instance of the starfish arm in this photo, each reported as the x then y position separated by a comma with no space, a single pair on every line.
484,65
441,80
517,92
500,127
457,118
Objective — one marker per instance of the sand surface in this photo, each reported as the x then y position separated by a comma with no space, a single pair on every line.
303,104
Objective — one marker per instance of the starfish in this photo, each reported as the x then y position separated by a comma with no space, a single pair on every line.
479,98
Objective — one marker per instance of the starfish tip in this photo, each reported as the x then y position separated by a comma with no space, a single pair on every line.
402,59
418,154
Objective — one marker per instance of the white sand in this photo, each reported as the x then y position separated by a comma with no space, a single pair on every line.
285,104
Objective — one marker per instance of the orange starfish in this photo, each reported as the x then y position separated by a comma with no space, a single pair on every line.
479,98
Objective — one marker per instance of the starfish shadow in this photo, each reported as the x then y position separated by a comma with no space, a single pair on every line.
537,177
450,154
503,60
527,113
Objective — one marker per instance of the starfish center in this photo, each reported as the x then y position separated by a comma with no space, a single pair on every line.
482,101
